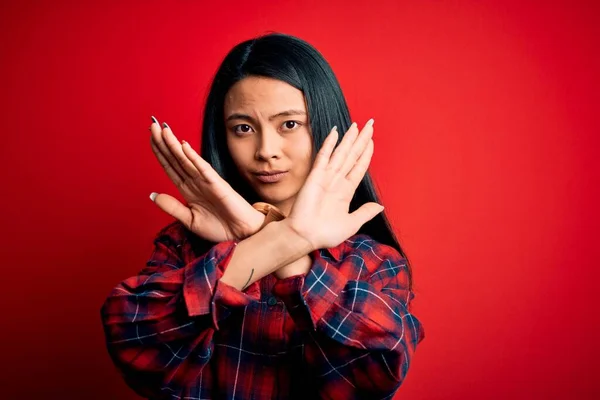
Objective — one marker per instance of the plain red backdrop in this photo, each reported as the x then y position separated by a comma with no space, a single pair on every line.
486,139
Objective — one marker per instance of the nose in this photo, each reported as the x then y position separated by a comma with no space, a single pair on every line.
269,145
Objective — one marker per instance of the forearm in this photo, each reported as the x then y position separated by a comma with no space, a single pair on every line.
275,246
356,314
299,267
174,303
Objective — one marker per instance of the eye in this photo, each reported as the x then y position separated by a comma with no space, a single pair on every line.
291,125
242,129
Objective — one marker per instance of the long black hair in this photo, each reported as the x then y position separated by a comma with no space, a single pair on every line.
296,62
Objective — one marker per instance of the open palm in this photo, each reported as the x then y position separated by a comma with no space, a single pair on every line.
320,212
214,211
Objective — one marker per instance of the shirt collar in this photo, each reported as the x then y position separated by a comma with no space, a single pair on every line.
335,252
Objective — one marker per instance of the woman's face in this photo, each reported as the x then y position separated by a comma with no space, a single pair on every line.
268,130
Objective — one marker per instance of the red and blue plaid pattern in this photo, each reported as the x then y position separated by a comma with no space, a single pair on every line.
343,331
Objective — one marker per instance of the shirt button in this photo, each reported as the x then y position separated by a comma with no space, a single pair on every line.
272,301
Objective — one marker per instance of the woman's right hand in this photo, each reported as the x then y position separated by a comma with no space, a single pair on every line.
214,211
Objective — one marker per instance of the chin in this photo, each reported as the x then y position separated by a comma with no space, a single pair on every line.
274,195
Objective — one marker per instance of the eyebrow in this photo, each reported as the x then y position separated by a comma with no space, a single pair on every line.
246,117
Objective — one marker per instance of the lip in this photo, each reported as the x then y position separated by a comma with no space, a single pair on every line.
271,176
272,172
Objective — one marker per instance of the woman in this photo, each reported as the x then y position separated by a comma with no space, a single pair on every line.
266,286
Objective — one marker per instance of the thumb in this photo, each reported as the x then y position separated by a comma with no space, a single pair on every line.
365,213
173,207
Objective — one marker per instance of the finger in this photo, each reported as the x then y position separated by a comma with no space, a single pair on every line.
362,165
171,173
174,208
205,170
365,213
341,152
358,148
322,158
176,150
156,134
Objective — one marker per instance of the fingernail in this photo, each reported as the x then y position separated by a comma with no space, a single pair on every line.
153,195
155,120
371,122
334,128
165,125
353,125
183,142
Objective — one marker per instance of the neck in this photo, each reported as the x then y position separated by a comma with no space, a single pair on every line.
285,206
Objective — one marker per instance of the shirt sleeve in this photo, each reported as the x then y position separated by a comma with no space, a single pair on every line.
361,336
159,324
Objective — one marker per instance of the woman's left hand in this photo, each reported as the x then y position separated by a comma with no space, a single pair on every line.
320,212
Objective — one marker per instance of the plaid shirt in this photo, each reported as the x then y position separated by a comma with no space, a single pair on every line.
342,331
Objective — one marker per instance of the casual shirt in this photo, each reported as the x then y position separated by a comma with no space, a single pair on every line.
342,331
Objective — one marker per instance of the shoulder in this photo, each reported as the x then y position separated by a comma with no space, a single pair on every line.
370,253
172,234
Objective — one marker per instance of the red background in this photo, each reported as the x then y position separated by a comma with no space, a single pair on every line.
486,138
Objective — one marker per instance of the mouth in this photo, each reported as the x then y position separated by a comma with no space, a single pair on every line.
271,176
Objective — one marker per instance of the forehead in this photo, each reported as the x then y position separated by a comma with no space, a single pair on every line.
263,94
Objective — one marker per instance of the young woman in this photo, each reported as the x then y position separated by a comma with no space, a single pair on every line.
281,277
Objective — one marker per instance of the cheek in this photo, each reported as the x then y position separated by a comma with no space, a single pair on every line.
303,152
239,153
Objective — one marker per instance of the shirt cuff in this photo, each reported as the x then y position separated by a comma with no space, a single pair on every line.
308,297
203,291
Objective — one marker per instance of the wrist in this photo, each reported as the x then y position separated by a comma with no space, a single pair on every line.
253,227
300,241
274,246
299,235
